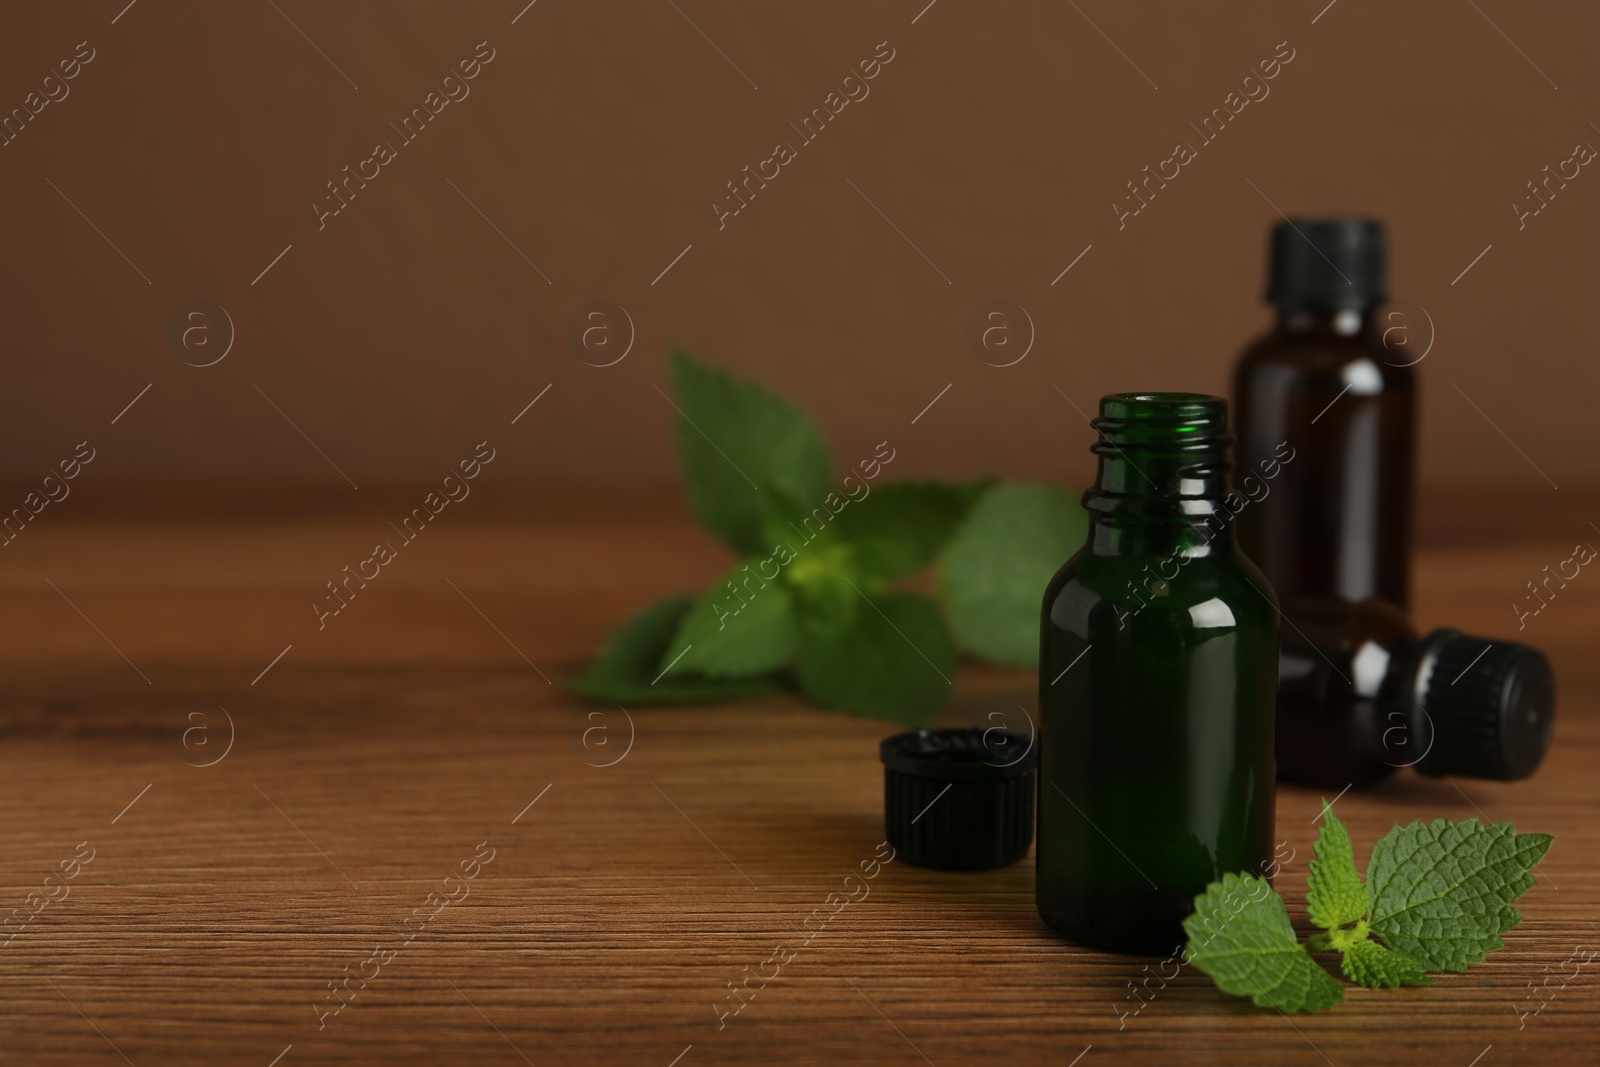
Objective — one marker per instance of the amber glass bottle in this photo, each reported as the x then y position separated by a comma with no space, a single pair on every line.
1360,694
1157,670
1324,388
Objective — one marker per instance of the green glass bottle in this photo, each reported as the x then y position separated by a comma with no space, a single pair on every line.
1157,674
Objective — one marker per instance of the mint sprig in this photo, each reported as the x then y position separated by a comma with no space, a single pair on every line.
812,601
1437,898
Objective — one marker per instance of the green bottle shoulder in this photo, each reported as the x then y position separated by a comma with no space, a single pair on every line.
1223,590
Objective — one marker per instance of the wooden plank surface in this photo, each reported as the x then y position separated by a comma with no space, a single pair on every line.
379,754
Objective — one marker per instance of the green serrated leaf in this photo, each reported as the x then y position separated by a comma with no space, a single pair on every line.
628,668
733,434
1441,893
743,625
1376,967
892,660
1240,935
1334,893
993,573
896,530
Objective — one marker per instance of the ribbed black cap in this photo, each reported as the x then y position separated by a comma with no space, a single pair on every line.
959,799
1489,704
1326,264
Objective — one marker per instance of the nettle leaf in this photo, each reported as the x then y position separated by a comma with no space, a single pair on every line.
628,668
1334,893
742,625
1240,935
993,573
1441,893
891,660
1370,964
732,434
898,529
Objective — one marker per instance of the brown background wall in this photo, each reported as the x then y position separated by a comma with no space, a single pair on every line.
408,329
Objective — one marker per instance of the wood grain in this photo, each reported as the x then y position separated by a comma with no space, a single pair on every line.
378,754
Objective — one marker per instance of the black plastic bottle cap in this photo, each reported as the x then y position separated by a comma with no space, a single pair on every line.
1488,704
1332,264
959,799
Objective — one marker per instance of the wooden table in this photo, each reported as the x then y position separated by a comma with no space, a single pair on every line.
418,731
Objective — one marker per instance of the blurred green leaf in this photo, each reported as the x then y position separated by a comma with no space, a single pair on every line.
750,459
742,625
892,660
993,573
628,669
898,529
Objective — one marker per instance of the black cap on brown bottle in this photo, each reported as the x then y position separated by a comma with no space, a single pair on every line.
1326,265
1484,708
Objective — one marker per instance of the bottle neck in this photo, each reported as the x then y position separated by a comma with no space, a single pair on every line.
1317,323
1205,532
1162,486
1202,537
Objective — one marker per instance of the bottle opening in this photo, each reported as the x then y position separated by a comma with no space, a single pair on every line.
1163,421
1159,398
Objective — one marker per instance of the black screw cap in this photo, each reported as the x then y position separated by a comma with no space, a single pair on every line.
959,799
